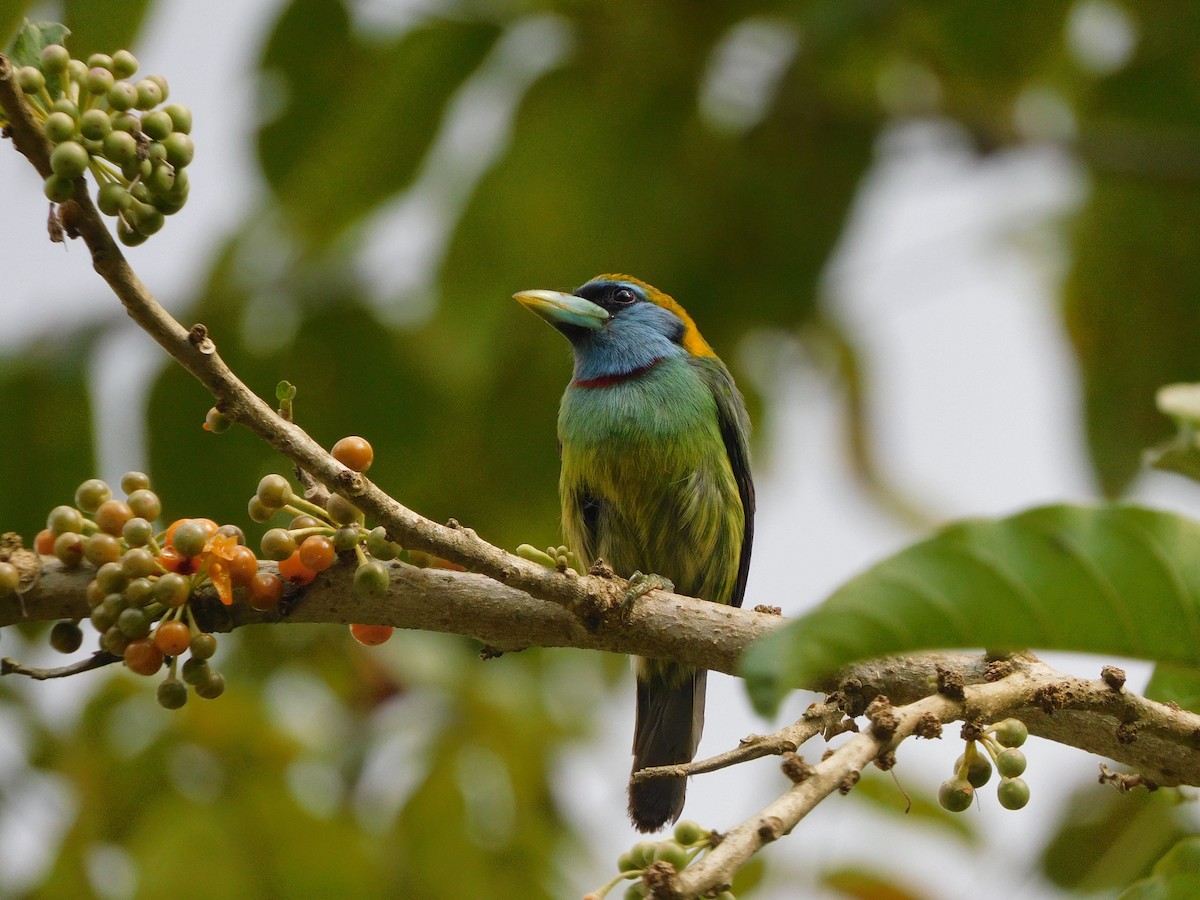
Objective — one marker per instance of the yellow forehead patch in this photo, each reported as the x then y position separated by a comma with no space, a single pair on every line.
693,342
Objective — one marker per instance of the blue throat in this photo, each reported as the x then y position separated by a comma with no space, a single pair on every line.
630,344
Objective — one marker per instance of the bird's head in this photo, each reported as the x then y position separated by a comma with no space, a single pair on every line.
617,325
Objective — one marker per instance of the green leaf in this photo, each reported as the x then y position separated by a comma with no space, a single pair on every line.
26,48
12,15
1176,876
914,805
359,115
1105,839
103,26
865,884
1109,579
1173,683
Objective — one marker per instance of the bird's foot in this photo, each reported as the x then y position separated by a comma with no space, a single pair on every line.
641,584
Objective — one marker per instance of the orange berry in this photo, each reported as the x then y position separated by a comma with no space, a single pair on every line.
296,571
243,565
44,542
371,635
143,657
174,561
265,591
317,552
173,637
354,453
112,516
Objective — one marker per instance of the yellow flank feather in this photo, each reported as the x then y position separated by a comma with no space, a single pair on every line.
693,342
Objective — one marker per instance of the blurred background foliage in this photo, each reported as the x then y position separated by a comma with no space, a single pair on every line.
713,149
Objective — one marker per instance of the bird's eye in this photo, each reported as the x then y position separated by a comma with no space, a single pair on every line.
624,295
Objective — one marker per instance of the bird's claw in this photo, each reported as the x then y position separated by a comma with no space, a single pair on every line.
641,584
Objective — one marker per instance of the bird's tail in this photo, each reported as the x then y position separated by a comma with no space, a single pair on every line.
670,717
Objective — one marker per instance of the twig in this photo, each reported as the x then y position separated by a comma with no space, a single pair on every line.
97,660
820,718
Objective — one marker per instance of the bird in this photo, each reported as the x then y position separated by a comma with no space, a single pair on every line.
655,480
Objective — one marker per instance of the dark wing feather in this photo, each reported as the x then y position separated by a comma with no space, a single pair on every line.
734,422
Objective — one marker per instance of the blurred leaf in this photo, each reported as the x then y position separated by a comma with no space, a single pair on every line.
749,876
863,884
45,431
1176,876
358,115
1178,684
1131,305
103,26
26,48
1117,580
12,14
1107,839
884,794
1179,454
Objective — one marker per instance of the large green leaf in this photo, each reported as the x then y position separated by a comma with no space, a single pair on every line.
1109,579
103,26
1172,683
1176,876
358,115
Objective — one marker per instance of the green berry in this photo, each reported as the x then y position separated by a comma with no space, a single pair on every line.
371,580
101,61
625,863
63,519
181,117
112,578
69,549
346,538
379,546
10,579
234,532
54,59
66,637
636,891
94,124
128,235
257,511
99,81
956,795
145,503
203,646
134,481
688,833
149,94
277,544
180,149
1011,732
139,562
124,64
211,687
341,511
114,640
641,854
120,147
190,537
69,159
1011,762
172,589
101,548
157,125
274,491
214,420
113,198
139,592
137,532
979,772
134,623
30,79
90,495
145,218
58,127
194,670
160,182
171,694
102,618
127,122
671,852
122,96
1013,793
58,189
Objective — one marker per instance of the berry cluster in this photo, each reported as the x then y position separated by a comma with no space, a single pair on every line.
318,534
679,851
974,769
141,594
101,120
